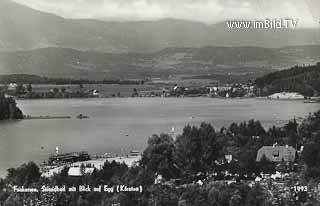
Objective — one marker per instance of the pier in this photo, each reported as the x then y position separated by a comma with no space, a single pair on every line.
47,117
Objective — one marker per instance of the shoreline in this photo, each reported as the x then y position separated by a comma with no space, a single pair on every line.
171,97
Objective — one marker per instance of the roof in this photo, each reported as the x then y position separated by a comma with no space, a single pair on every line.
76,171
277,153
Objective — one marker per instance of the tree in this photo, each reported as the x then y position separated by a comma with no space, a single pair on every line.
13,200
82,169
309,128
82,202
219,196
62,177
292,132
159,156
55,90
195,195
266,166
247,160
111,172
20,89
25,175
164,195
9,109
29,88
135,92
235,199
197,149
63,89
257,197
311,156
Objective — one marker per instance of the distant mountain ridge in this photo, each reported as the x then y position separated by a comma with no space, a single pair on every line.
23,28
71,63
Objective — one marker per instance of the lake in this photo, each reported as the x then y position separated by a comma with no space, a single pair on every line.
121,124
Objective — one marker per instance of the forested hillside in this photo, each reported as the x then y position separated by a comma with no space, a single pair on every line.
305,80
9,109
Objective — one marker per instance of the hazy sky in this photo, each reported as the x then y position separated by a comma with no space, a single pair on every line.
207,11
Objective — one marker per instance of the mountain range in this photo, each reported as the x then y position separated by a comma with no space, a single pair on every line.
35,42
23,28
71,63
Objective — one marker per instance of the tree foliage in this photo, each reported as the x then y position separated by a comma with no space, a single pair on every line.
9,109
24,175
159,156
197,149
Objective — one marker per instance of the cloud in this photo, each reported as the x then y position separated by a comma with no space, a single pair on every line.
207,11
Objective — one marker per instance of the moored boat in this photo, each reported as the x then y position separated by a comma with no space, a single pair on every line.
81,116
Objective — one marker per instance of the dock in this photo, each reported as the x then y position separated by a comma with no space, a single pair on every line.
47,117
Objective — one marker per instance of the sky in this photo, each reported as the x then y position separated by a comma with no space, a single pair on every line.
207,11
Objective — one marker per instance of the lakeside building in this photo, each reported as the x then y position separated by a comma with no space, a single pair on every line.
287,96
77,171
134,154
68,157
95,93
75,161
277,153
12,87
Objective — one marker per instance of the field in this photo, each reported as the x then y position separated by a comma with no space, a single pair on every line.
104,89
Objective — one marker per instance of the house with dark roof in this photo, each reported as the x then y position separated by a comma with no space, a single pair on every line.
277,153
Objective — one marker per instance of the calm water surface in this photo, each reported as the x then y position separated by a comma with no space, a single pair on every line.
122,124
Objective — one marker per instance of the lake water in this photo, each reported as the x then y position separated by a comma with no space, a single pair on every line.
121,124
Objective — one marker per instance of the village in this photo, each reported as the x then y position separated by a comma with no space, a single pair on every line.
212,89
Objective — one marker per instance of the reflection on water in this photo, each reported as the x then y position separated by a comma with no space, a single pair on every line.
122,124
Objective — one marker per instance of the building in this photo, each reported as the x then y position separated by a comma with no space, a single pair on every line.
134,154
277,153
12,87
78,171
287,96
95,93
228,158
68,157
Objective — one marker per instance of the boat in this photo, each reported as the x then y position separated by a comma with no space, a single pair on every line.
81,116
311,101
134,154
46,117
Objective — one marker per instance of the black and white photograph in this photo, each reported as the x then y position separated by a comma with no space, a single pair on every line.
159,103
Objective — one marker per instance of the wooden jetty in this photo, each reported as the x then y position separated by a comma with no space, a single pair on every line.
47,117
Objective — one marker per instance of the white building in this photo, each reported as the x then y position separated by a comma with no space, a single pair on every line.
95,92
287,96
76,171
12,87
